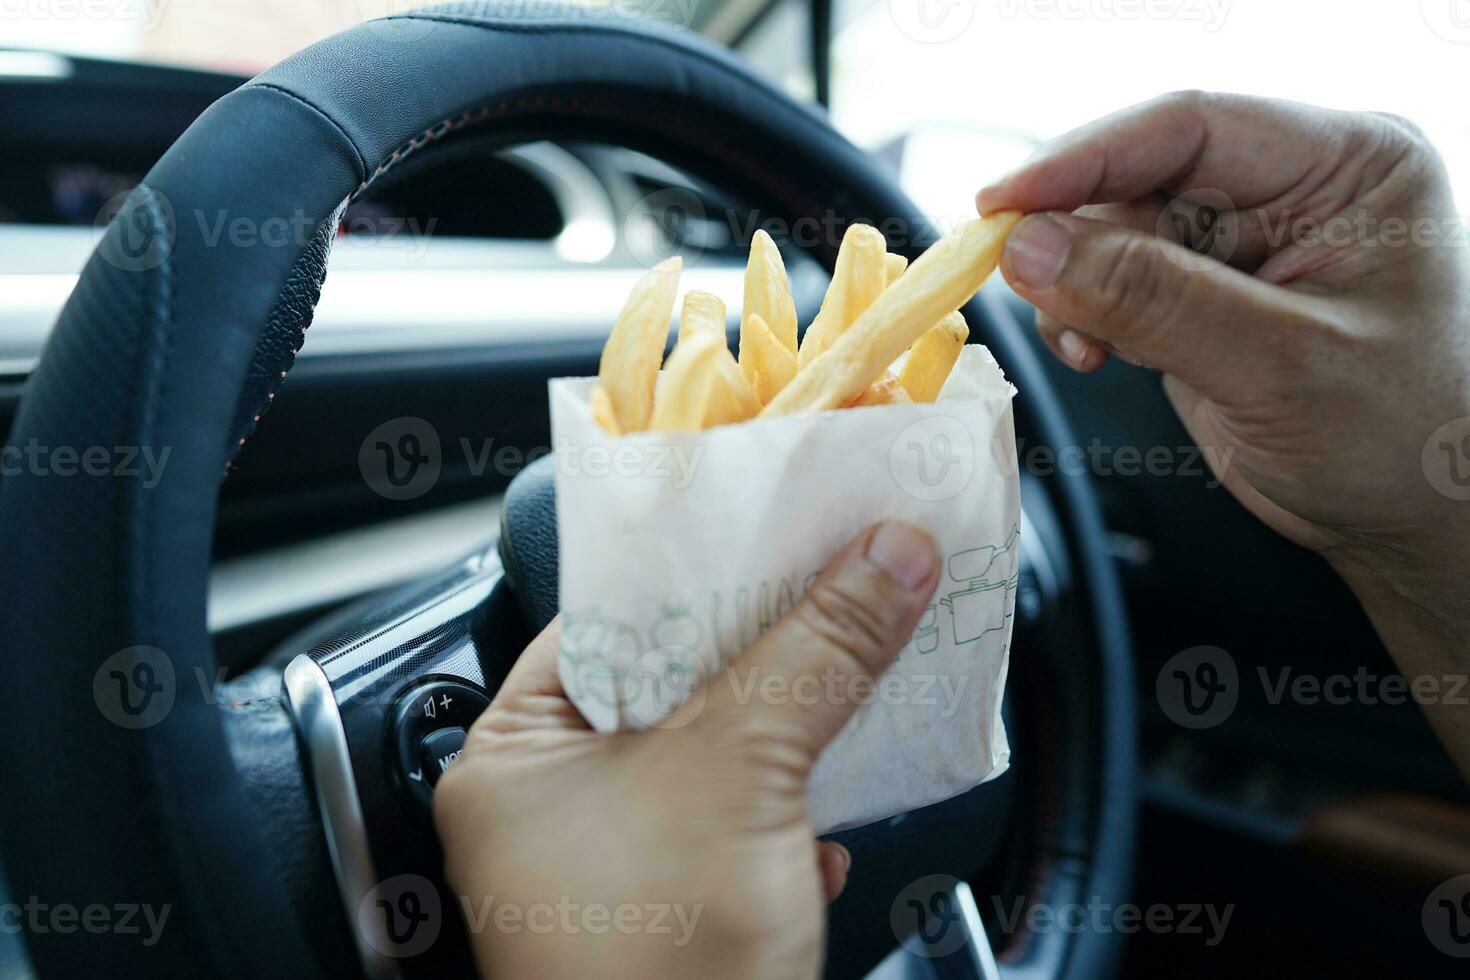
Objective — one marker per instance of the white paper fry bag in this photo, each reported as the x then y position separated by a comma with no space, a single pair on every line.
679,549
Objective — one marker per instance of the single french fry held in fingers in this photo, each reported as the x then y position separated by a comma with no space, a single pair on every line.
628,371
941,280
702,311
767,291
602,411
933,356
885,391
689,378
860,275
766,363
896,265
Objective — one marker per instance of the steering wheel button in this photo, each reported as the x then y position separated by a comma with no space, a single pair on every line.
438,751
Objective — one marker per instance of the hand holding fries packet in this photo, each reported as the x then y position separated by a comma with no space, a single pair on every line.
696,505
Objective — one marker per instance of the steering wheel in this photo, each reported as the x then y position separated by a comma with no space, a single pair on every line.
134,781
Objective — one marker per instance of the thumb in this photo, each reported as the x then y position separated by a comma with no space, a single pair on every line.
1151,299
797,682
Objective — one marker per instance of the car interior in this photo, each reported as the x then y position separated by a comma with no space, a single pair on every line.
471,190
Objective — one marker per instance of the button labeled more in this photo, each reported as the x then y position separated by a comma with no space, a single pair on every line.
438,751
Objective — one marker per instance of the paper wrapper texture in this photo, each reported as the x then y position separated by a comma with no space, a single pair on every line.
679,549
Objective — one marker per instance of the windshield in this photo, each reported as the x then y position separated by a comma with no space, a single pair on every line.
247,36
988,79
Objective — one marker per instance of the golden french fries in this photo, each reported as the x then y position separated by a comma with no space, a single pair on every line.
887,390
701,311
602,411
767,293
764,360
731,399
939,281
860,276
877,307
896,265
630,358
933,356
689,378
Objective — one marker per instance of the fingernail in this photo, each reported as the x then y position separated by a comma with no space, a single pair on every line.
904,552
1074,347
1036,251
845,855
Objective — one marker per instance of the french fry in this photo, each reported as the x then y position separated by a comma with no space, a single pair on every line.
731,399
896,265
885,391
602,411
766,363
628,371
858,278
767,292
702,311
940,280
933,356
689,378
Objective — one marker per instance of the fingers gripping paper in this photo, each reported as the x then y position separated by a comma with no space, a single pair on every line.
678,549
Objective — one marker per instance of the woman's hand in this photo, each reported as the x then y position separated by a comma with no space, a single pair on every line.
1319,349
694,833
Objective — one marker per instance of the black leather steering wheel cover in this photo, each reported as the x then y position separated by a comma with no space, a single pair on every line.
182,355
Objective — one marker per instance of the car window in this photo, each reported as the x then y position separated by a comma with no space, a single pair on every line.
979,82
